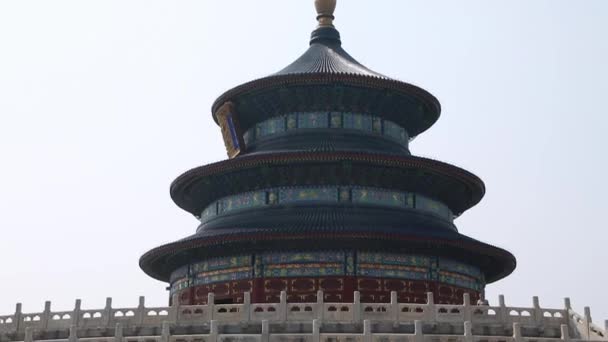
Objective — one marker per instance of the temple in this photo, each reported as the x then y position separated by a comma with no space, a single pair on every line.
321,192
321,226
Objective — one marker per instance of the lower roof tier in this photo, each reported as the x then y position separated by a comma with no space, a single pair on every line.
495,263
198,188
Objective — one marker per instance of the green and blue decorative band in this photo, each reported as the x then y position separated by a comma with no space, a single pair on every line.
328,263
304,270
221,263
325,195
394,259
326,120
392,271
302,258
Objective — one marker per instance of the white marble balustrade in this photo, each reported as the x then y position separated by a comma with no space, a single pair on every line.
564,322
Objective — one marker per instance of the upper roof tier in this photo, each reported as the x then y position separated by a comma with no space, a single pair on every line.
327,78
326,55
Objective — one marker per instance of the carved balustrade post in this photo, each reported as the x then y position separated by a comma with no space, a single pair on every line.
73,337
517,332
588,314
567,304
430,310
418,334
46,315
320,306
118,333
211,305
587,322
357,306
316,330
165,333
29,335
246,312
567,309
76,315
107,312
213,331
283,306
468,331
367,331
538,313
394,307
265,331
466,306
503,309
565,332
174,310
18,317
140,316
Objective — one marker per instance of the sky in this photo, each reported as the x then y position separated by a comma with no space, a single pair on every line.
104,103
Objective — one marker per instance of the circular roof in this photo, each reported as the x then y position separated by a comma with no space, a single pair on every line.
495,262
457,188
327,63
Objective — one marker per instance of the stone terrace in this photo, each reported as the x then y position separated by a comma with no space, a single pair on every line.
304,322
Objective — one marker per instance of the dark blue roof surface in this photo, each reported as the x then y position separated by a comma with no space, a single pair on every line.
326,55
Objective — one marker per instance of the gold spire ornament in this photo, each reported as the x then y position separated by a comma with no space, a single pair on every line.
325,12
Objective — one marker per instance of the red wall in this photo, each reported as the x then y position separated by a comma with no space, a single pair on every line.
335,289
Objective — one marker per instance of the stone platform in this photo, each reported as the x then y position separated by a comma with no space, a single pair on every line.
304,322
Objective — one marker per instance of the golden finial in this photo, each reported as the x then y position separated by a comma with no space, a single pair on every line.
325,12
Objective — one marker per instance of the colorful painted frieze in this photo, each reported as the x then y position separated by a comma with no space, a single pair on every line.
179,285
300,270
271,127
392,271
292,195
350,263
377,125
221,263
360,122
292,121
302,257
334,120
394,259
223,275
313,120
243,201
325,194
378,196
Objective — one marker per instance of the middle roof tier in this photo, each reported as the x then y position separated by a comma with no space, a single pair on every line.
197,189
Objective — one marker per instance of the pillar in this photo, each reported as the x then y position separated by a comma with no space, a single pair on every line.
76,313
316,330
367,331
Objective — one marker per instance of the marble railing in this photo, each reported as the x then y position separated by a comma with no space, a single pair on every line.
250,322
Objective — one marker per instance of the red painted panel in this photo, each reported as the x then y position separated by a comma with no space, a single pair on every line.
335,289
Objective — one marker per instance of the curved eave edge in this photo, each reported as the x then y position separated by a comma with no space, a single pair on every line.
253,161
150,260
324,78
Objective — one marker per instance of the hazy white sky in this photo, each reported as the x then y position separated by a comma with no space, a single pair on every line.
104,103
